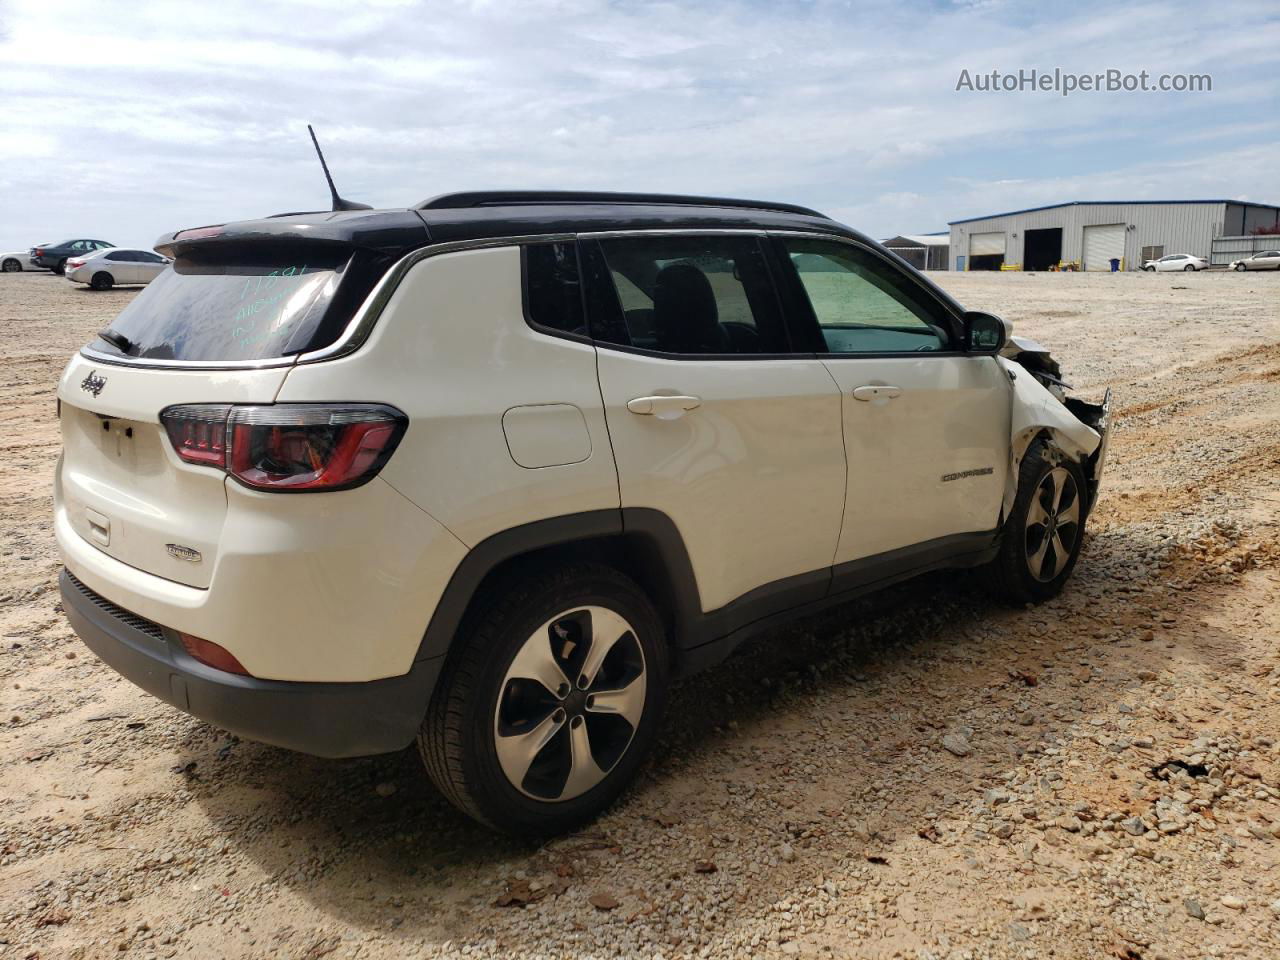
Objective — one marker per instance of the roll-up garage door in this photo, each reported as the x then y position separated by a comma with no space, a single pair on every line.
986,244
1102,244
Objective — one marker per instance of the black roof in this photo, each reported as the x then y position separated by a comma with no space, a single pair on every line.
483,215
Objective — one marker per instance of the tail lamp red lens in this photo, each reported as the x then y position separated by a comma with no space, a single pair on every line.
211,654
292,447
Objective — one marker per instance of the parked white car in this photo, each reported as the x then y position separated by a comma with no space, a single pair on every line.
1176,261
17,261
488,473
115,266
1266,260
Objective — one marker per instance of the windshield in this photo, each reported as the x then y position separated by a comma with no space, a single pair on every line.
231,308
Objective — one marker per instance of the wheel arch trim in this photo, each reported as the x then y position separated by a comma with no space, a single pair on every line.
652,542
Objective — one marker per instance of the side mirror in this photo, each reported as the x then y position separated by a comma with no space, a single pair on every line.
985,332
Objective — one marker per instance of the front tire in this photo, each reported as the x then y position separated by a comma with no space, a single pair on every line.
549,702
1149,269
1042,537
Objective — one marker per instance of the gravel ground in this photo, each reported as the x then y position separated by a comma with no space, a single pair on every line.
924,774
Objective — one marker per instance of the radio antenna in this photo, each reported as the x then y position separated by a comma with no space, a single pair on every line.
338,202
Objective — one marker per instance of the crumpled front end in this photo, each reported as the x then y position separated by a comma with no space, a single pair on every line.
1042,405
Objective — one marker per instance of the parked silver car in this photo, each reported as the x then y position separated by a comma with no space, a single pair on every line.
1266,260
104,269
17,261
1176,261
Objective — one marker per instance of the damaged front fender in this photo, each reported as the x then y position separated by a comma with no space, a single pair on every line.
1075,427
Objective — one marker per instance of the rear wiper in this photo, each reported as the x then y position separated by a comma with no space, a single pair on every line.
116,339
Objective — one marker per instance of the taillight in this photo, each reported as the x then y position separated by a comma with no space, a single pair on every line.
198,433
211,654
74,264
38,251
292,447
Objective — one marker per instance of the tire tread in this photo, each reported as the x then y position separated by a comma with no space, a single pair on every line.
1007,574
495,608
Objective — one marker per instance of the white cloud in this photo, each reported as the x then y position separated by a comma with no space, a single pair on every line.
176,118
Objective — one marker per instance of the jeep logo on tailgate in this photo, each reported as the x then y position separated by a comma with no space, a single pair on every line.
93,383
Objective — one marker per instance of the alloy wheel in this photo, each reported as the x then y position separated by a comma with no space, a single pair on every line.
570,704
1053,524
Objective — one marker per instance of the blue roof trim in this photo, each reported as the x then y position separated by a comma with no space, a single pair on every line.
1110,203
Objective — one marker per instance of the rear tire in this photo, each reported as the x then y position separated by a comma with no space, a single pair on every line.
1189,266
506,748
102,281
60,267
11,265
1042,536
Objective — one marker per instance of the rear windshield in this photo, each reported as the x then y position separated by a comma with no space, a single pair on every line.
234,308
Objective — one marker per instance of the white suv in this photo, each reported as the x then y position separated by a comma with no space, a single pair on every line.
491,472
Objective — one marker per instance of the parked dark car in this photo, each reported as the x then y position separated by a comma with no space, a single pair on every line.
55,257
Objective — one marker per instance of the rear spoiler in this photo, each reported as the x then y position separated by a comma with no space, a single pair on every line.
383,231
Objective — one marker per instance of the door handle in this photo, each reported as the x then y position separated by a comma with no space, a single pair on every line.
876,392
664,408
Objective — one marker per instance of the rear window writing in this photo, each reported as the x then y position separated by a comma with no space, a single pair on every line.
214,311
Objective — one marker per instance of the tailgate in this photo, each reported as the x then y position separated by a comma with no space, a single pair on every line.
121,485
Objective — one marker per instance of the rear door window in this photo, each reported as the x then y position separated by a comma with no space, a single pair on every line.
216,308
690,295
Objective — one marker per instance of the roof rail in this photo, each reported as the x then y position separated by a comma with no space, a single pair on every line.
505,198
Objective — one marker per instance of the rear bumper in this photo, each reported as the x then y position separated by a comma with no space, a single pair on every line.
323,719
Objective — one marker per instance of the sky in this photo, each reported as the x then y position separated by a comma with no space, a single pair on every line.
126,120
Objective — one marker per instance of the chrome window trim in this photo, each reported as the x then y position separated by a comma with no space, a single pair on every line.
678,232
116,360
356,330
952,310
363,320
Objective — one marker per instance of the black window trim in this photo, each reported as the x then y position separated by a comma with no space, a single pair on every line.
524,294
766,253
783,275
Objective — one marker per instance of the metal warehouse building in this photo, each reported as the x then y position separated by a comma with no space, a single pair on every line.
928,251
1088,235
